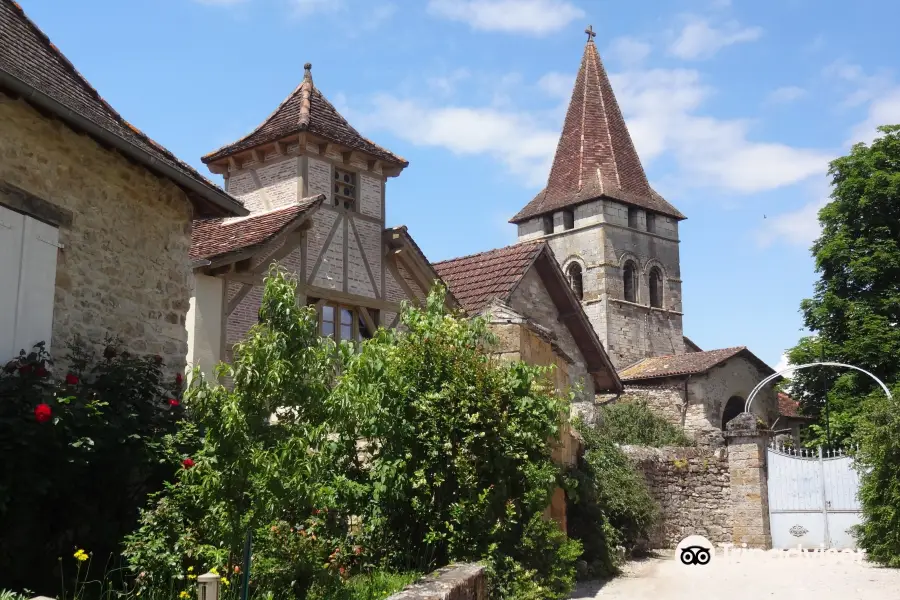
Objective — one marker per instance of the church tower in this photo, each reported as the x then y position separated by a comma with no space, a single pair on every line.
614,236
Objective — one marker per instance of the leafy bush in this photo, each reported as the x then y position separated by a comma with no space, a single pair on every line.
408,453
878,459
635,424
609,503
80,453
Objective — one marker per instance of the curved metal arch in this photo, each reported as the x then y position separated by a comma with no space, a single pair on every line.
762,383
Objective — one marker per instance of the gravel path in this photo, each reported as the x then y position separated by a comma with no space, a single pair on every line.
756,578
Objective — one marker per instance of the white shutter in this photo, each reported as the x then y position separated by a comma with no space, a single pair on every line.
28,250
12,227
37,284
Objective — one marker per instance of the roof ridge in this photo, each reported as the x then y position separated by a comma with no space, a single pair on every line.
516,244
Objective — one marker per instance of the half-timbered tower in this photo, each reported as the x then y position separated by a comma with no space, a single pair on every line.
316,191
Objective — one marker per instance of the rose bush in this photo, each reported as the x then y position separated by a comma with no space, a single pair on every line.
81,449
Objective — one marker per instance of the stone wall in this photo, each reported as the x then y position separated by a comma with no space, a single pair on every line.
531,299
123,268
692,489
455,582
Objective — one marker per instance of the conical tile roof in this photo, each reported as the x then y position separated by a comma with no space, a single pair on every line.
595,156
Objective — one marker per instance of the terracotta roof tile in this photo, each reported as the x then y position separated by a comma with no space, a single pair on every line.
216,237
27,54
787,406
306,109
477,279
673,365
595,156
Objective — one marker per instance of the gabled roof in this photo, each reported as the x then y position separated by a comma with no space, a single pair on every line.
690,346
213,238
479,280
33,68
692,363
306,109
595,156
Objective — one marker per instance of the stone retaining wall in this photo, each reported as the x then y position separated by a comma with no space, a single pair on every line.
693,491
455,582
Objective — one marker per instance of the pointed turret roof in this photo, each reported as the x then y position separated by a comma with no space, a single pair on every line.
595,156
306,109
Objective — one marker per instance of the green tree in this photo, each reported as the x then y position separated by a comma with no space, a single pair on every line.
855,309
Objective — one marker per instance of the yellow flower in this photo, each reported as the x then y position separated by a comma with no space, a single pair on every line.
184,594
225,582
80,555
190,569
214,571
192,577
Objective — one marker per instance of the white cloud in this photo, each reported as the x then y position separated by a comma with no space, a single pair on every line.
795,228
535,17
628,50
557,85
786,94
446,85
515,139
863,87
700,39
884,110
783,364
661,105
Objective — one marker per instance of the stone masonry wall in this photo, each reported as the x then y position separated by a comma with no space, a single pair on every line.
454,582
692,489
601,242
123,270
532,300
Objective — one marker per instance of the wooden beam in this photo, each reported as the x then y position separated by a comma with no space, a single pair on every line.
346,157
238,297
413,269
234,163
257,156
374,165
327,147
367,319
218,168
302,140
279,148
346,298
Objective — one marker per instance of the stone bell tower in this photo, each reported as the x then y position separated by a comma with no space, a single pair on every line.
614,236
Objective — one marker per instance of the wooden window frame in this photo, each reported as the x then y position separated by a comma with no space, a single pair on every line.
337,307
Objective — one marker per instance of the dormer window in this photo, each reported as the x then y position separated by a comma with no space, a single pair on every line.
344,189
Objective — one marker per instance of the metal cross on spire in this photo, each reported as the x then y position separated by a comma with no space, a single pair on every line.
590,32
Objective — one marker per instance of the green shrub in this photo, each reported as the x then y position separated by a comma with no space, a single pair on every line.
878,460
609,503
635,424
80,454
431,450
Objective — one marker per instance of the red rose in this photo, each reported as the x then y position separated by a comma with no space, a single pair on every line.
42,413
41,372
187,463
25,369
179,378
71,379
173,402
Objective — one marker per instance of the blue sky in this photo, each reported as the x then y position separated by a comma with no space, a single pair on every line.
736,107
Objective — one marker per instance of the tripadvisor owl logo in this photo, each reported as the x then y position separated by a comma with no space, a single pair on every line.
693,551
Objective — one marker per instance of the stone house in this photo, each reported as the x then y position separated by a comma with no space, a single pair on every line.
315,189
701,391
523,284
95,217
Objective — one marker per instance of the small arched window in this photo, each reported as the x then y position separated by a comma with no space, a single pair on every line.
629,274
656,288
573,273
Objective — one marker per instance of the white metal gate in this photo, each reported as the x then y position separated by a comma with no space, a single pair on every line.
812,498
